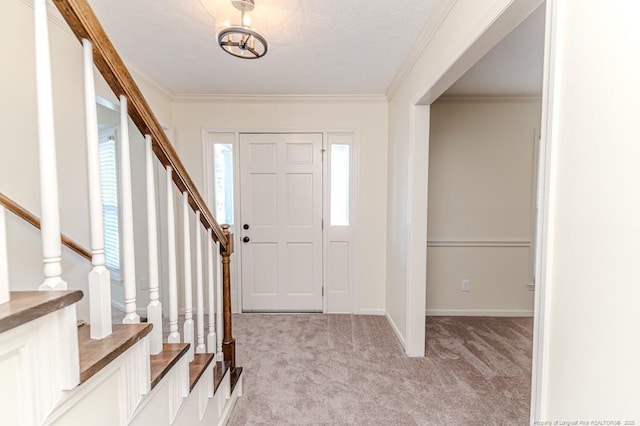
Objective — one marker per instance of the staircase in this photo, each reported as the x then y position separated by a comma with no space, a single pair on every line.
55,370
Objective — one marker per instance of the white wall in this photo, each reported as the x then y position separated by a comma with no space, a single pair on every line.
19,178
588,360
481,161
469,30
369,118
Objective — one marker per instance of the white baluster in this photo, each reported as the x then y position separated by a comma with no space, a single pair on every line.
154,308
99,277
211,337
174,334
49,198
188,296
4,264
128,266
200,348
219,321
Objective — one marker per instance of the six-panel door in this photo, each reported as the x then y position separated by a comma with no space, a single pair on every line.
281,222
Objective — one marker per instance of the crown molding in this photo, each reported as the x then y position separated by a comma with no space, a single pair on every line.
511,98
428,31
246,98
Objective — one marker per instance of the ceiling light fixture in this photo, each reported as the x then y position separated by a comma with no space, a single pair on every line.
240,40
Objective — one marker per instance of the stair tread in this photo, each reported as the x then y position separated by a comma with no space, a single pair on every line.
97,354
165,360
197,367
26,306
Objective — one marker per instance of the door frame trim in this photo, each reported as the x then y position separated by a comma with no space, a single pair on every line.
207,179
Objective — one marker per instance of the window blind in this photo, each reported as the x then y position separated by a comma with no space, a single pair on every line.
109,185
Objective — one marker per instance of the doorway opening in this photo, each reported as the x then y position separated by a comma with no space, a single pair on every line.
482,179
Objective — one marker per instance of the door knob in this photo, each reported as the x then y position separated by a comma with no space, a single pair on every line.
245,226
246,240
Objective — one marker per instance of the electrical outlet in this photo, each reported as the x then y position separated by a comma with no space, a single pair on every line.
466,285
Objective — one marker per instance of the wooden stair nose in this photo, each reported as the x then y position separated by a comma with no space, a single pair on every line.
197,367
223,368
165,360
26,306
219,372
97,354
235,376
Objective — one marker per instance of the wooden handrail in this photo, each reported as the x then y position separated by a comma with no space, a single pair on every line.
85,25
29,217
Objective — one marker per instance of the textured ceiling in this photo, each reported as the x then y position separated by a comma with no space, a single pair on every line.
512,67
316,46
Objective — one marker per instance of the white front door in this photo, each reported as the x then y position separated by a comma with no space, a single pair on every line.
281,222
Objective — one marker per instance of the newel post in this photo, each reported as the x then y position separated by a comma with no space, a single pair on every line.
228,342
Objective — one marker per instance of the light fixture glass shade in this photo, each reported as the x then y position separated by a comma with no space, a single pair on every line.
242,42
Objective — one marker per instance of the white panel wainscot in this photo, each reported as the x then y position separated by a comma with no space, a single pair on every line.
161,406
200,407
33,360
111,396
100,406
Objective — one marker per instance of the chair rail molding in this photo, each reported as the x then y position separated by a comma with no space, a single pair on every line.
479,242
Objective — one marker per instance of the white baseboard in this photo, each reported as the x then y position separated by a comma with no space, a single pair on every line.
480,312
396,330
377,312
120,307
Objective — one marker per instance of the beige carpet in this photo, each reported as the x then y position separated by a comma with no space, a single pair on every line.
344,369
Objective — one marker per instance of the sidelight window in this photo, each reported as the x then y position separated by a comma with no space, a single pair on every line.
223,182
340,182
